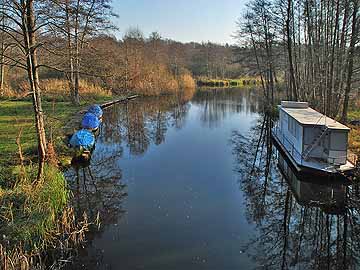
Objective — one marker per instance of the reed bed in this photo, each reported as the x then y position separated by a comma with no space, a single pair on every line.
35,219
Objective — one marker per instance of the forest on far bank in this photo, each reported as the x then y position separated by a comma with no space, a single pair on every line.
150,65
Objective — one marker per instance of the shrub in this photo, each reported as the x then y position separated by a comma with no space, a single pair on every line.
7,92
187,81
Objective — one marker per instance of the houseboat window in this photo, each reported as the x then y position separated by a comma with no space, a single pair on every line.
297,131
338,141
310,133
284,120
293,128
290,125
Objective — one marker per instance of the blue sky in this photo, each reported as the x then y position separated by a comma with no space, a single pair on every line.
182,20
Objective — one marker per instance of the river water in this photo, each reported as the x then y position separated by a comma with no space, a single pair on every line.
198,184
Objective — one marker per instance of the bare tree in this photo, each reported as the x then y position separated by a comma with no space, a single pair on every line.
319,40
257,29
76,22
22,30
354,38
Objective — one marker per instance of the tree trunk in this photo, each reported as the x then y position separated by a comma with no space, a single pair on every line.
354,36
330,106
28,25
257,60
77,56
2,70
70,73
289,49
269,56
2,60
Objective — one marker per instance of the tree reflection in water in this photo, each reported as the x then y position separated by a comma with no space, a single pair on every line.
304,221
98,192
97,186
144,121
218,104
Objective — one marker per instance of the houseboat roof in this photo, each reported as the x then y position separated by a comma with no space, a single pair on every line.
305,115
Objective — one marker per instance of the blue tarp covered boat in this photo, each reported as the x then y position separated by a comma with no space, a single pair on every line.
96,109
82,140
90,121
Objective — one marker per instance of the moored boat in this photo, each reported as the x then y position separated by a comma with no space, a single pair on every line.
96,110
91,122
82,142
312,140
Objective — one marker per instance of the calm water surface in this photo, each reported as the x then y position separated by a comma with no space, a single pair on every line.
180,185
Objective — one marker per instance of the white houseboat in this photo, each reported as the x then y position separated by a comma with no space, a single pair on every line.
312,140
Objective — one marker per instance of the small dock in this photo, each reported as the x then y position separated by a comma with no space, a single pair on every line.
121,100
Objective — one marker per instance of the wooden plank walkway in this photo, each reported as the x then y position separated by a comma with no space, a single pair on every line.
108,104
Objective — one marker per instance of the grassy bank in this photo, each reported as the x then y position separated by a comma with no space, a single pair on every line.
35,218
16,117
24,217
34,215
354,136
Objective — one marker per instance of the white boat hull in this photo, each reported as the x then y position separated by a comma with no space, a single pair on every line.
314,164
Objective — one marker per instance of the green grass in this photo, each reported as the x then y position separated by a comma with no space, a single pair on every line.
353,115
16,115
28,211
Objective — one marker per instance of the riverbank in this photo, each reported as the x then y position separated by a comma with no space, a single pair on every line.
227,83
16,118
354,135
35,216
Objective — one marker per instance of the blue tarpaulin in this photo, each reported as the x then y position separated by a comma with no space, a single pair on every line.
90,121
96,109
82,138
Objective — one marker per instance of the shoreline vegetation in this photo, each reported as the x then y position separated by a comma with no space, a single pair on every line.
244,81
37,216
354,135
28,229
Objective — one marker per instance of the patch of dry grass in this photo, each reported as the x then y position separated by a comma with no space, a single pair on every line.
186,81
55,88
354,140
7,92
